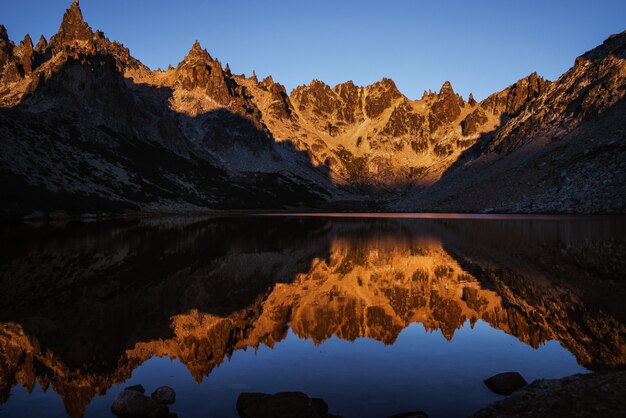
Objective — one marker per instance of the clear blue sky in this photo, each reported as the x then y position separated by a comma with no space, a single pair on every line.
480,46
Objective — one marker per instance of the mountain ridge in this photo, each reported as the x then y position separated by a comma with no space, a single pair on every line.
315,147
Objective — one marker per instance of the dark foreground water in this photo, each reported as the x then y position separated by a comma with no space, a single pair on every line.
374,315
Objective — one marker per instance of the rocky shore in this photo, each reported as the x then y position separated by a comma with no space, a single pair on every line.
598,394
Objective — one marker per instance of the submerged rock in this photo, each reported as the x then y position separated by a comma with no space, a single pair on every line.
137,388
505,383
281,405
131,403
414,414
164,395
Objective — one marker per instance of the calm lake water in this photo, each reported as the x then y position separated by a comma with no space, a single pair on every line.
376,315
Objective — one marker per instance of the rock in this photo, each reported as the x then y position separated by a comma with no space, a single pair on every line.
131,403
6,48
512,99
164,395
199,71
198,53
505,383
279,405
42,44
73,28
280,107
11,72
471,101
58,215
26,54
590,395
137,388
416,414
380,97
474,122
403,121
446,108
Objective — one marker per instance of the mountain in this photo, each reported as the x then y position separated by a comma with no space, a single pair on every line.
563,152
88,129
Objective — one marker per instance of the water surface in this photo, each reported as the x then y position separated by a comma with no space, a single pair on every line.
376,315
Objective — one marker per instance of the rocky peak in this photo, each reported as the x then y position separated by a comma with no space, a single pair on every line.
388,85
347,90
4,36
380,96
199,71
346,85
6,46
227,70
446,90
471,101
267,82
317,97
42,44
73,27
197,53
614,44
316,88
25,52
446,108
280,106
27,42
350,99
511,100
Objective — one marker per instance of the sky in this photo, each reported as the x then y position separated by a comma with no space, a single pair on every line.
479,46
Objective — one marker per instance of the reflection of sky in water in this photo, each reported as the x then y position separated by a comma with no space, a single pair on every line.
211,286
420,371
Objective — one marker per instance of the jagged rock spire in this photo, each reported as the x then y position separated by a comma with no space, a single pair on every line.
4,36
27,41
26,55
73,27
197,53
446,89
6,48
42,44
471,101
227,69
5,42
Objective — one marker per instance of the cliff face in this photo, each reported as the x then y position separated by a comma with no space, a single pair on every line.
121,137
104,306
87,128
562,152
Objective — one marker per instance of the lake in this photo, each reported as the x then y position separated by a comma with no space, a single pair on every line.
375,314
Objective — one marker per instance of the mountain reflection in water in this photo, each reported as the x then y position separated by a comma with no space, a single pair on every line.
82,306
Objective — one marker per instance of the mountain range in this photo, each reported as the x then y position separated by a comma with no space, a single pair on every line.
86,129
